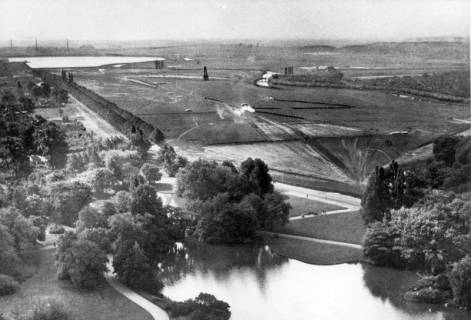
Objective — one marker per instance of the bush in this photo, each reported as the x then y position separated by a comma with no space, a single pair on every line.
460,281
8,285
48,310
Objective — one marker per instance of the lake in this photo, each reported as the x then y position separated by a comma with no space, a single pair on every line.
259,284
79,62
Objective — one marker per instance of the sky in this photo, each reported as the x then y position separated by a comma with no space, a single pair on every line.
232,19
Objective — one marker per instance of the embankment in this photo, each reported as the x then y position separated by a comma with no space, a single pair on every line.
358,86
121,119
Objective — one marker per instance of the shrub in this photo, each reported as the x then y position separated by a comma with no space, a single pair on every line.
8,285
460,281
48,310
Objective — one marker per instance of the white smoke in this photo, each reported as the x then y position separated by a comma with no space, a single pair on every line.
220,112
242,109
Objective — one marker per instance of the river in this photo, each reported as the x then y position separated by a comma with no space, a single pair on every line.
259,284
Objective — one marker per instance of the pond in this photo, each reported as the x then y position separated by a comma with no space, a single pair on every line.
79,62
259,284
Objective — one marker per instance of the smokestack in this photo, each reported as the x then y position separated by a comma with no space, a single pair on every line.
67,44
36,43
11,43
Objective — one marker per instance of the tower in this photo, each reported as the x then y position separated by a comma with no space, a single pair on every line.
205,74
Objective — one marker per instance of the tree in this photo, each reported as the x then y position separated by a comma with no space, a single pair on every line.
68,199
256,173
151,172
444,149
99,236
144,200
10,263
91,218
23,231
388,189
460,281
133,269
203,180
83,264
172,162
13,156
103,179
222,221
375,200
123,201
50,141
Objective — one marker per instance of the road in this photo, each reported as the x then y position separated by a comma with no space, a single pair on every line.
156,312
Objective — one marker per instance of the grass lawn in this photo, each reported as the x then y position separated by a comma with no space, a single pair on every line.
102,304
302,206
314,253
346,227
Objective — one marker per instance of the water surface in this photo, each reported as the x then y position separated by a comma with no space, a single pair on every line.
258,284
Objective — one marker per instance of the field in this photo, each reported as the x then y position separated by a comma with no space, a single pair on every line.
102,304
300,206
344,227
308,136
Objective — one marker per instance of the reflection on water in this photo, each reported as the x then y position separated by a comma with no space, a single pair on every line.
259,284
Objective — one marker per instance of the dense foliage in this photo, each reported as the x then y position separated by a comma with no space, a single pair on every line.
231,204
81,262
460,281
172,162
204,307
424,229
387,189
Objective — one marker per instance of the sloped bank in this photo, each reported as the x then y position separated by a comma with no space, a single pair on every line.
123,120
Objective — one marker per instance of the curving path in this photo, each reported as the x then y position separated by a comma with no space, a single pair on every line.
289,236
156,312
350,204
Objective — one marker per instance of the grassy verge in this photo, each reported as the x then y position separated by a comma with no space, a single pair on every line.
302,206
314,253
345,227
102,304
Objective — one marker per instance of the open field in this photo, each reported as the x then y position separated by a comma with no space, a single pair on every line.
346,227
102,304
324,134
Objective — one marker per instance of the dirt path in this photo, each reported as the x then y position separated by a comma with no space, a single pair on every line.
289,236
92,122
